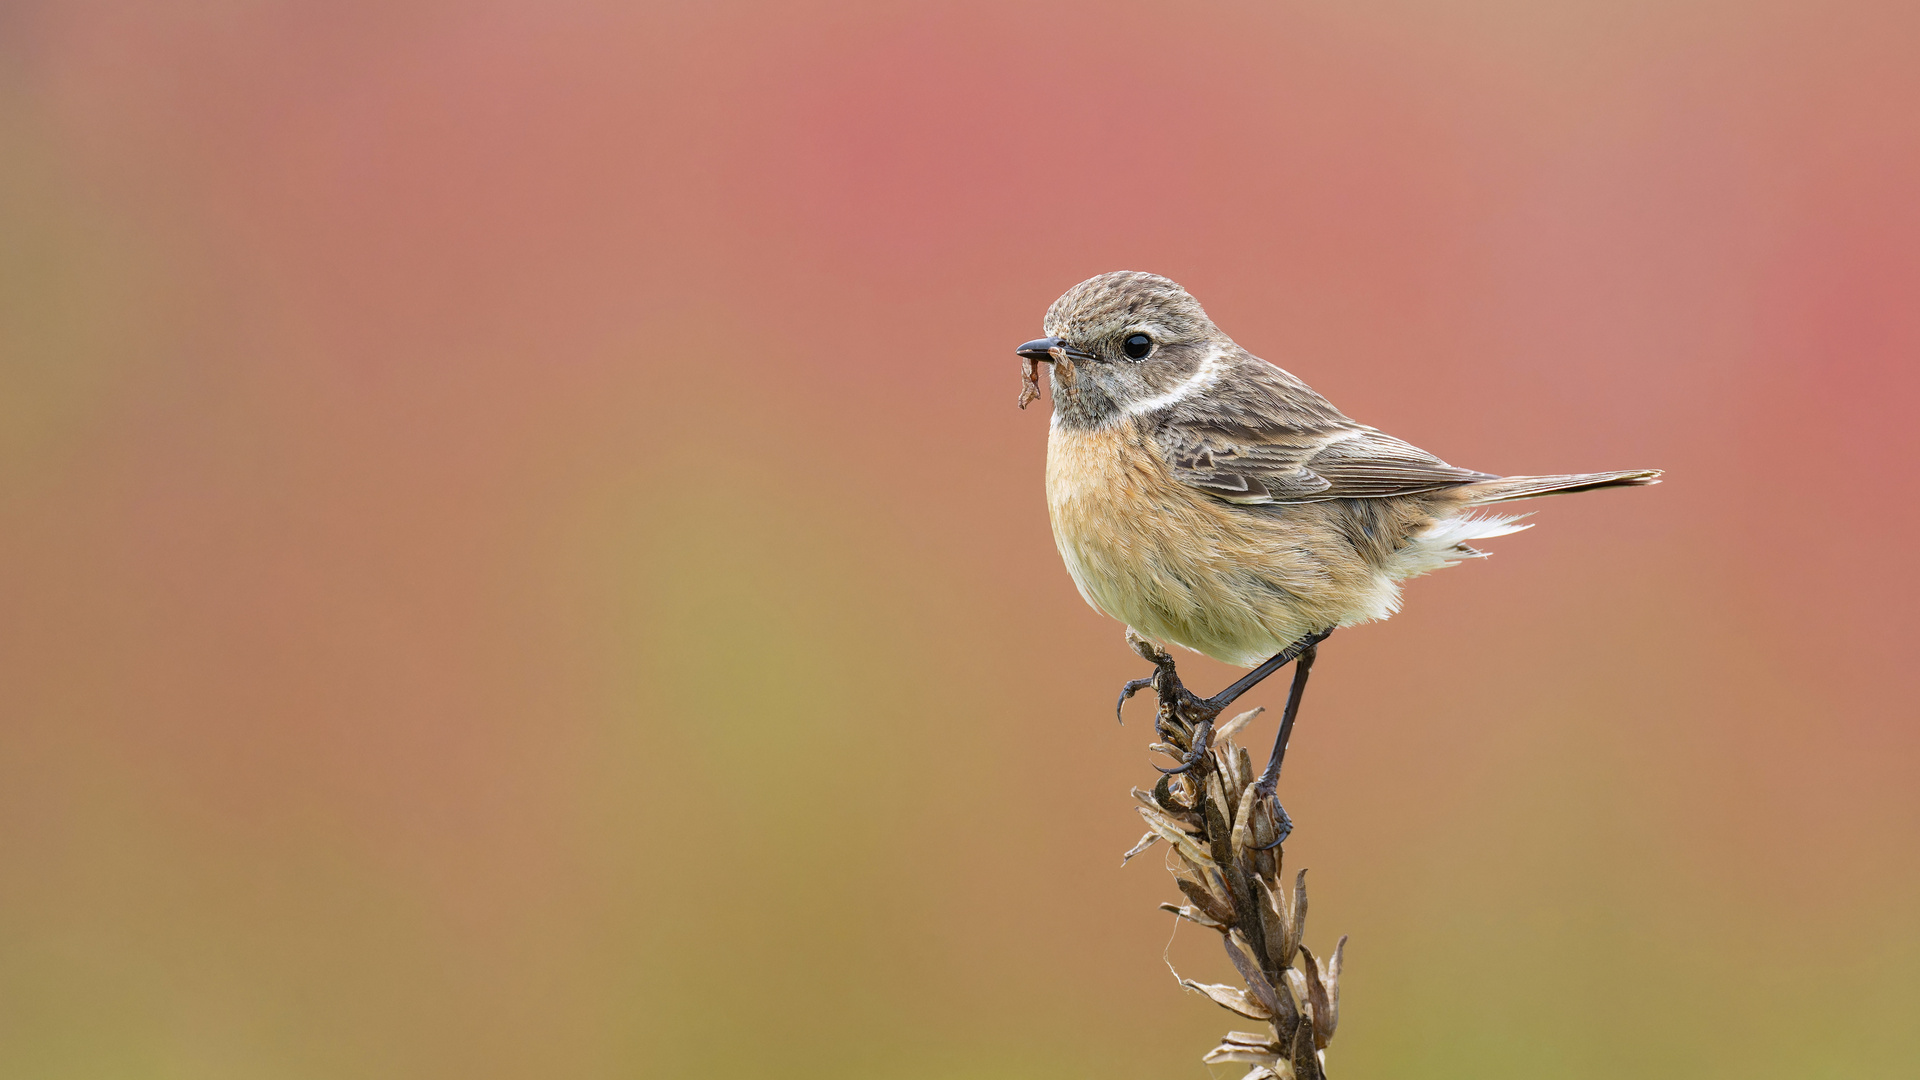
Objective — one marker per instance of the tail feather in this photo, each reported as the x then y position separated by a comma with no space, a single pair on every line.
1509,488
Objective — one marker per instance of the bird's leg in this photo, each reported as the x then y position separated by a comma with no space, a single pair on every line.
1305,645
1201,712
1266,787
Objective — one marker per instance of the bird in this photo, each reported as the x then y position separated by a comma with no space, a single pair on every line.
1208,498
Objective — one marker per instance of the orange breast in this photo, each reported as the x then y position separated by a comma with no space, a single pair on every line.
1098,487
1236,583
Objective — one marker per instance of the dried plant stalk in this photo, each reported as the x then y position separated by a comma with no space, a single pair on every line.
1215,827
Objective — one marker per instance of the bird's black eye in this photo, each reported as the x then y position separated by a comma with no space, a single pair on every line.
1137,346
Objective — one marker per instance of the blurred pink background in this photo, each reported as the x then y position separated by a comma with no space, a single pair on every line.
519,558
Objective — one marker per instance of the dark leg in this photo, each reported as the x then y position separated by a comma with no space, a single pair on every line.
1301,649
1270,778
1205,710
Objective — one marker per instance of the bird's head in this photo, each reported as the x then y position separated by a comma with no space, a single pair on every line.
1120,343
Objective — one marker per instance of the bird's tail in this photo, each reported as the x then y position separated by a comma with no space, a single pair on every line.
1509,488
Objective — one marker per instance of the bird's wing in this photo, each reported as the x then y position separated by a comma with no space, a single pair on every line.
1272,440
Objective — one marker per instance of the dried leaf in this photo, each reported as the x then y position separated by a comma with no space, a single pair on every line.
1185,819
1261,1072
1181,790
1262,990
1192,915
1297,913
1266,864
1305,1057
1238,724
1227,1053
1146,842
1288,942
1219,829
1220,887
1217,797
1176,836
1317,1000
1154,813
1216,907
1297,982
1272,924
1245,1047
1334,964
1242,838
1152,800
1229,771
1230,998
1251,1040
1223,763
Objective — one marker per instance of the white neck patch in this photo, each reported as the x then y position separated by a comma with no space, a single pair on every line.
1202,378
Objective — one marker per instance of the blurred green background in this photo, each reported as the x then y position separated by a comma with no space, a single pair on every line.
518,557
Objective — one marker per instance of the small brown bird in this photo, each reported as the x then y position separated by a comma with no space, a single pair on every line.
1207,498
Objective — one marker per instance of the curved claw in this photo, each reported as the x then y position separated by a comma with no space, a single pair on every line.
1202,742
1283,825
1132,687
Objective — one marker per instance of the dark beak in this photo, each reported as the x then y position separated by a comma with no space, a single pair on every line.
1041,349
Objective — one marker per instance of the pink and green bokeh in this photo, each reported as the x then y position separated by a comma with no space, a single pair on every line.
518,557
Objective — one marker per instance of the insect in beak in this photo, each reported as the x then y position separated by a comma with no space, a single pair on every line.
1043,349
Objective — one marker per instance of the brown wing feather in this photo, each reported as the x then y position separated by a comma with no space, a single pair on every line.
1266,437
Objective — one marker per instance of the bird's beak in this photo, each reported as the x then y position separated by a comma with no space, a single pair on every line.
1041,349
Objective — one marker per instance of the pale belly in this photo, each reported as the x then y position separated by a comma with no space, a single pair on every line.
1235,583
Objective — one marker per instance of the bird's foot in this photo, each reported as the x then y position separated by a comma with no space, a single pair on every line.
1199,741
1282,824
1184,719
1132,687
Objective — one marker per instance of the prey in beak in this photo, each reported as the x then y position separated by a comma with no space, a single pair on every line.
1042,349
1035,353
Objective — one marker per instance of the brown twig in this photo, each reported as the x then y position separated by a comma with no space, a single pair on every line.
1215,826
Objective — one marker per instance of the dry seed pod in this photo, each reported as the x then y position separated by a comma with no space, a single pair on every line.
1246,1047
1257,983
1178,837
1297,982
1273,925
1216,908
1213,821
1288,942
1238,724
1230,997
1243,837
1193,915
1305,1057
1223,771
1147,841
1317,1000
1217,795
1172,821
1334,963
1297,914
